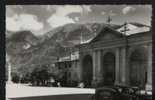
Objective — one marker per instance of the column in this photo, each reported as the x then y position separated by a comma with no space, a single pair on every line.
94,81
80,69
149,69
99,74
94,64
117,65
96,67
9,73
123,66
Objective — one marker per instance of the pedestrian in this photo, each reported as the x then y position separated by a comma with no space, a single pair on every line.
58,84
81,85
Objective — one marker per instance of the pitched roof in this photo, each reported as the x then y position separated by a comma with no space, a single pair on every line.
112,27
133,28
107,28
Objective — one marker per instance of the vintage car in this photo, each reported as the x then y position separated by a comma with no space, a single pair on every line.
121,93
137,93
105,93
111,93
144,94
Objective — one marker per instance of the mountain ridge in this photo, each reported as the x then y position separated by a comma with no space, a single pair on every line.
27,50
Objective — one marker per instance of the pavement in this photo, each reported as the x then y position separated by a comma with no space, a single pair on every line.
25,92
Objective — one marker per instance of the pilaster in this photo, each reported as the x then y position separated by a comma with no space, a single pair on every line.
94,64
99,69
149,69
117,66
96,67
123,66
80,69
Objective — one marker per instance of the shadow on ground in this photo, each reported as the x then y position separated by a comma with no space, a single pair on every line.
58,97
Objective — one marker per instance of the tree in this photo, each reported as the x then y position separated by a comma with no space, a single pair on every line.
15,77
40,75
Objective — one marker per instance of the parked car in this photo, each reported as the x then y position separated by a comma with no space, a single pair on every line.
128,92
116,93
144,94
136,93
106,93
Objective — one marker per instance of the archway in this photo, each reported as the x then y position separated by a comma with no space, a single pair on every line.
137,68
108,69
87,70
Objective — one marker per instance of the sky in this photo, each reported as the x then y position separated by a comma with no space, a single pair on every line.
42,18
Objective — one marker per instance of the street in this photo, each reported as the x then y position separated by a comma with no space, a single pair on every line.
25,92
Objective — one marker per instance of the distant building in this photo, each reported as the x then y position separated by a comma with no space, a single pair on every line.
113,57
70,64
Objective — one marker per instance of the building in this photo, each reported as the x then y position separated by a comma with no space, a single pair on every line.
116,57
70,66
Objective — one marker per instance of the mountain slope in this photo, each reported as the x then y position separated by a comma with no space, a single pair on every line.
28,51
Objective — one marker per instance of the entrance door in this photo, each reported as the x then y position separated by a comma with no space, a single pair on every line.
87,70
138,73
109,68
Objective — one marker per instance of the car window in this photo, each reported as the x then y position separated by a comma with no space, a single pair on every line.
106,93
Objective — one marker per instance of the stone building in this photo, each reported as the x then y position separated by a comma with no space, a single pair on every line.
70,66
116,57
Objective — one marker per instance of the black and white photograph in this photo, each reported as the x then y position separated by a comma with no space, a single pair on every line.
78,52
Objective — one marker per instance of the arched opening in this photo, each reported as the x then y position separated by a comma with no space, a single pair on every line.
138,72
87,70
108,69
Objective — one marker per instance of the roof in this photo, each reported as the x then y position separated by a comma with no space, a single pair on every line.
133,28
111,27
106,29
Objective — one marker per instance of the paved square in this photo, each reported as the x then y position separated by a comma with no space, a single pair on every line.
22,90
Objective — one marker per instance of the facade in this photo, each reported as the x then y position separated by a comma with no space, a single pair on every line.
70,66
114,58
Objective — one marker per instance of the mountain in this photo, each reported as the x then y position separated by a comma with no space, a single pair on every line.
73,34
28,51
20,42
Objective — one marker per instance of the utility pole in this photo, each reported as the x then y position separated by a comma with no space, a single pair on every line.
81,38
125,30
95,27
126,49
83,12
109,19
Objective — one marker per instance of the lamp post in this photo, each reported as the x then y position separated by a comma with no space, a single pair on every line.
9,81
